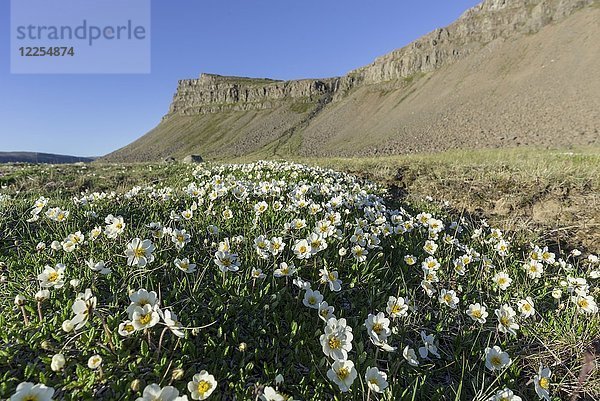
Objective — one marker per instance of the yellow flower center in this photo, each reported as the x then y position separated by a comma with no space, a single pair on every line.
448,298
544,383
378,328
526,307
128,328
302,249
583,303
203,387
226,262
342,373
395,309
30,398
53,276
476,313
504,321
145,319
334,342
331,277
139,252
501,281
312,300
180,238
495,360
285,270
373,381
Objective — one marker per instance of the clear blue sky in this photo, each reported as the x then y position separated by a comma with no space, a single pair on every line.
91,115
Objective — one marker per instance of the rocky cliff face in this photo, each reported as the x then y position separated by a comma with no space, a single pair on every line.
478,26
215,93
488,21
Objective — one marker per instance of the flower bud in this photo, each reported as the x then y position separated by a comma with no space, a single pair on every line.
136,385
19,300
67,326
177,374
42,295
58,362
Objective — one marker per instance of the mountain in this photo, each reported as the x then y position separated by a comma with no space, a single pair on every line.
34,157
506,73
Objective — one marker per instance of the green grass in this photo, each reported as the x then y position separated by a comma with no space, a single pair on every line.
246,331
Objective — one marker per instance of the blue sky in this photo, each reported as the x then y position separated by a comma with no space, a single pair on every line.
91,115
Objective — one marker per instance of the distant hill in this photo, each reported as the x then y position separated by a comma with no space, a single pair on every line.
507,73
35,157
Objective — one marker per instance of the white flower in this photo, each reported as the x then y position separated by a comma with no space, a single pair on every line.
502,280
378,328
586,303
302,249
202,385
410,260
153,392
82,308
185,265
94,362
534,269
257,273
326,311
139,252
97,266
170,319
428,346
556,293
27,391
180,238
126,328
58,362
430,247
52,276
336,342
477,312
411,356
302,284
506,320
526,307
505,395
331,277
141,298
115,226
144,317
284,270
376,380
496,359
542,383
227,261
449,298
343,374
360,254
396,307
312,299
270,394
276,246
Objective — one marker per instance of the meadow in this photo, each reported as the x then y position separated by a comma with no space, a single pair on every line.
278,281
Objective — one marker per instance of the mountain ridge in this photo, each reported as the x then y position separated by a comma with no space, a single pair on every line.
221,117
